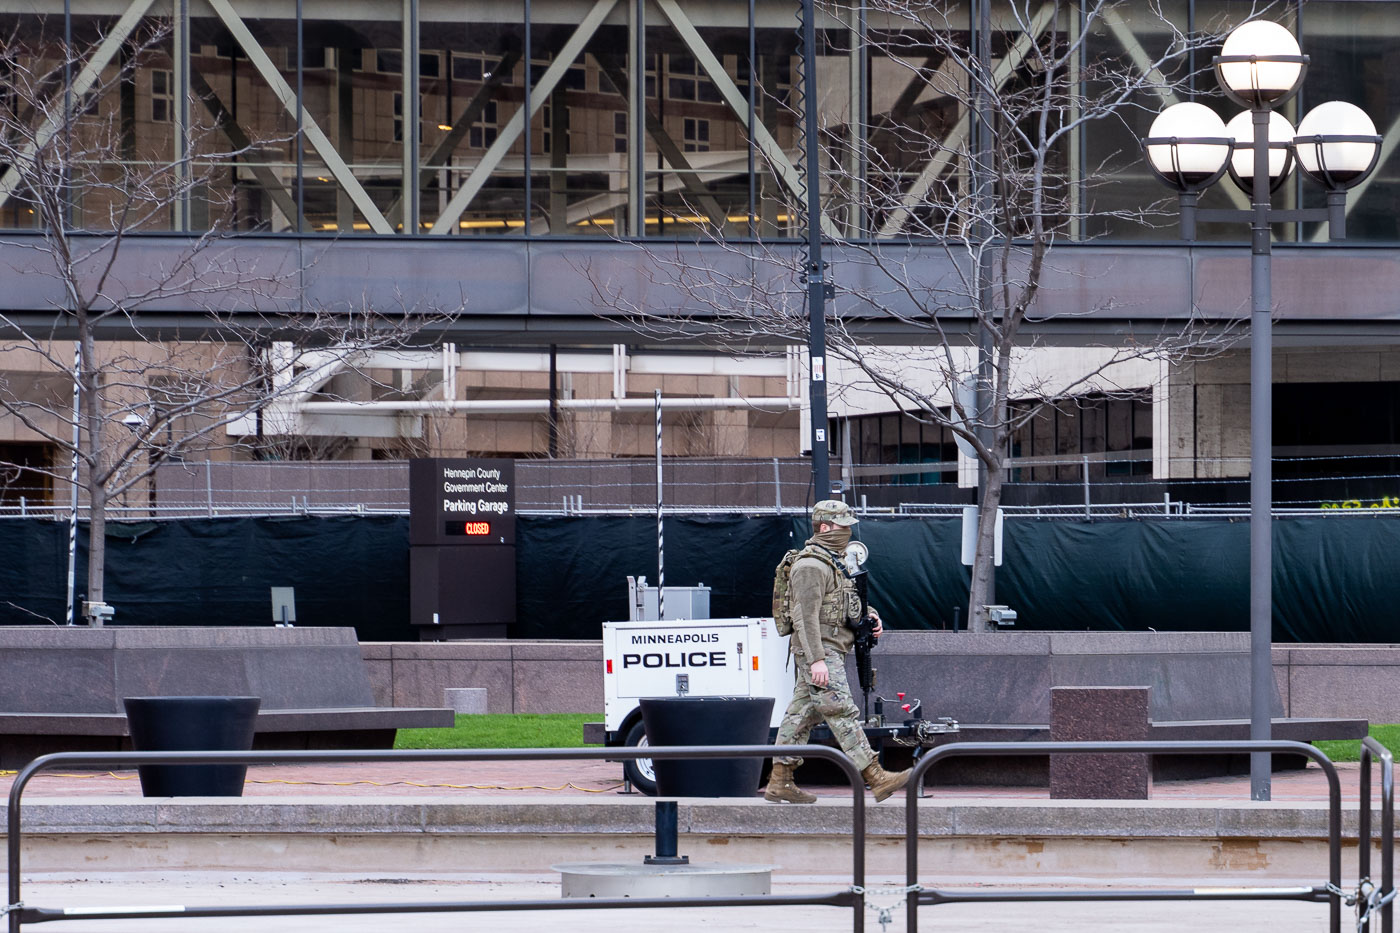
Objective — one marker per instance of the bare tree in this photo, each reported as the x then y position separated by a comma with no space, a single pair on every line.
117,401
947,204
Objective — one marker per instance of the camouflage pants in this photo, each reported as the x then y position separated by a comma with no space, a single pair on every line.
812,704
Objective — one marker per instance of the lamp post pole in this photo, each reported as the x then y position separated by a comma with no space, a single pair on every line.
819,289
1190,148
1261,436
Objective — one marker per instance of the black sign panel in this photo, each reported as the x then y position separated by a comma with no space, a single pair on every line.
461,502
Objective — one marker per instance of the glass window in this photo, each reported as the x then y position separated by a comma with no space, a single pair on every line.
697,144
1355,52
580,182
1116,185
353,101
34,47
389,62
123,139
464,115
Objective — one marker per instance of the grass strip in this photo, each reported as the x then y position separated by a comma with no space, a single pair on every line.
1349,750
504,730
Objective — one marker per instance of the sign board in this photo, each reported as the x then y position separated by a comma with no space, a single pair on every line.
461,501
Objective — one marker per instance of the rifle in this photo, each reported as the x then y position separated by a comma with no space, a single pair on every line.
865,640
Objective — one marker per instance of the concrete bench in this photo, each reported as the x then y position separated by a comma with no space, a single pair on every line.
61,689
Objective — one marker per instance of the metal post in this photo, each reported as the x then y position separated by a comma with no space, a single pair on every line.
1261,435
73,482
660,535
554,399
1085,477
666,833
815,270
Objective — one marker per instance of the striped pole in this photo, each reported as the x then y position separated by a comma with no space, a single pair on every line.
660,536
73,482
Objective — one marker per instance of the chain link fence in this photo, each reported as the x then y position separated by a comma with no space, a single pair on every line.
777,485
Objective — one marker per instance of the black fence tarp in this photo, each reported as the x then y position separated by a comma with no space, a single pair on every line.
571,573
1332,576
218,571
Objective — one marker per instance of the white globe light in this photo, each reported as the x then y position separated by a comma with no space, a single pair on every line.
1187,145
1241,128
1260,78
1335,162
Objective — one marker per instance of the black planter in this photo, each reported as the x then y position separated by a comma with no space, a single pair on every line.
707,721
191,724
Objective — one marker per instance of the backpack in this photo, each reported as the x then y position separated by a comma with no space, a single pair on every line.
782,601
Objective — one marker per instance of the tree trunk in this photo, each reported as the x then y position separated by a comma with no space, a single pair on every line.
89,381
982,562
97,545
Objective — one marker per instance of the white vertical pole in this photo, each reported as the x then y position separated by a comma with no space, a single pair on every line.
73,482
660,536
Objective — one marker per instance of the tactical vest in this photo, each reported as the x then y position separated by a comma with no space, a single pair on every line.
840,606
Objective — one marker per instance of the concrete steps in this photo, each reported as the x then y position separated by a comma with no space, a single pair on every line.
987,838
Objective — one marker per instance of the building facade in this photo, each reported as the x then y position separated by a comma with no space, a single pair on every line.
517,167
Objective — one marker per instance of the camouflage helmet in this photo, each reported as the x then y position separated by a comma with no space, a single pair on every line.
833,512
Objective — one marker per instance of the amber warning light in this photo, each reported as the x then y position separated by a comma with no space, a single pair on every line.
470,529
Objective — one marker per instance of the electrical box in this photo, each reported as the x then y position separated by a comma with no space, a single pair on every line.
682,602
1001,616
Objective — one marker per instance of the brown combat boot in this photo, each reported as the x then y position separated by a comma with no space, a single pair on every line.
781,789
881,782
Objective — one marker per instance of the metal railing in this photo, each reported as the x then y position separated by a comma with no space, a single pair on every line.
1371,897
916,895
19,913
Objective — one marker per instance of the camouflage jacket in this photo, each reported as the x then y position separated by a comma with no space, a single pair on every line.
824,602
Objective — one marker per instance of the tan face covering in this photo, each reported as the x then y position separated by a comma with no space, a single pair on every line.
836,539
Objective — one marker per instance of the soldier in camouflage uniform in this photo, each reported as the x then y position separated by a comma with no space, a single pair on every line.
824,606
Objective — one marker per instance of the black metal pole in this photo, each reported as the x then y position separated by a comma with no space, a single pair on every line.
666,833
815,270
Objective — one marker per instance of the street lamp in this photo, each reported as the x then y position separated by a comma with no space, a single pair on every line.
1188,147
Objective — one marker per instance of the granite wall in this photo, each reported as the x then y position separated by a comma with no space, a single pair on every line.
566,676
519,676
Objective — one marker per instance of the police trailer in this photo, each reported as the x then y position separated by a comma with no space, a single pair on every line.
722,657
687,657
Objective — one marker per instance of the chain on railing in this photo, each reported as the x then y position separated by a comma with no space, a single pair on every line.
1370,896
18,913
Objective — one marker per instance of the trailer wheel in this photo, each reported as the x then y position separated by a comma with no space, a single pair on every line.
639,771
